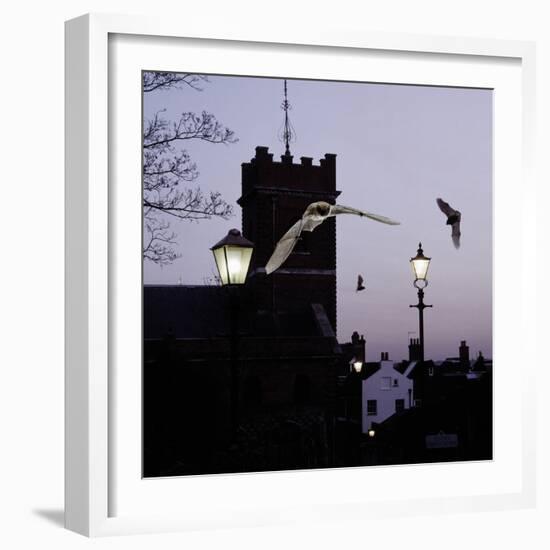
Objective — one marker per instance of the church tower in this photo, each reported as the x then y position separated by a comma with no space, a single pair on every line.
274,196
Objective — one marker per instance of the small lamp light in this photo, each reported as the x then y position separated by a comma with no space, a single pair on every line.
371,433
420,265
358,365
233,254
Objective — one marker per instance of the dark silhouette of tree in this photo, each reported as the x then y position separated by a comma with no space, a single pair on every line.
169,172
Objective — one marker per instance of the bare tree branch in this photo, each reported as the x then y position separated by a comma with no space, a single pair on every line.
164,81
169,172
159,133
191,204
157,249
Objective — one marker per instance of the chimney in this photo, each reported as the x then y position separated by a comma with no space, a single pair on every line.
358,346
415,351
464,355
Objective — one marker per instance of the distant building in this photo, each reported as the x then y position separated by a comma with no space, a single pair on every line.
452,422
481,364
385,391
451,416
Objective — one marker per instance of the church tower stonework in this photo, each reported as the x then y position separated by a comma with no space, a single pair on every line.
274,196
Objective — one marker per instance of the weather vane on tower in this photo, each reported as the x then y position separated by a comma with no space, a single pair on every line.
287,134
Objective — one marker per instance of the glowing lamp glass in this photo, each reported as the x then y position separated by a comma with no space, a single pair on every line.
420,265
233,255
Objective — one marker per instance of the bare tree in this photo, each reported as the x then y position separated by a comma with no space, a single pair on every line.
169,172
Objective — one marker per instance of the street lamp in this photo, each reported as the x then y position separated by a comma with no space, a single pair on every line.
357,365
233,254
420,265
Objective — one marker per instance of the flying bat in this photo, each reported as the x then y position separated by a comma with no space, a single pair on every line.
360,285
453,219
315,214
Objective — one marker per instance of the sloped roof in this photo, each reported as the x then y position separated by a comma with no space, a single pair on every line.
204,312
405,368
184,311
408,368
402,366
369,369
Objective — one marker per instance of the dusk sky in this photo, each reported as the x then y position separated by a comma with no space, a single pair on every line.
398,148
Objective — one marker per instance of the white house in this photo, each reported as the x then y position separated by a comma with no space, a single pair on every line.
385,391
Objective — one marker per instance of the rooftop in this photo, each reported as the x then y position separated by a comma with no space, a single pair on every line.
186,311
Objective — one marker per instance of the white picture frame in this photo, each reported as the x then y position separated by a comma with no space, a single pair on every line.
91,221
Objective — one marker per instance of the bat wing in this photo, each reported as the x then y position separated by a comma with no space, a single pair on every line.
339,209
456,235
284,247
445,207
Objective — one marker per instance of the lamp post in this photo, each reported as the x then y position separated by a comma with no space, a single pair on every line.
233,254
420,265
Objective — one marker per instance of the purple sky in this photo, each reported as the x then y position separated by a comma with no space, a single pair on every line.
398,148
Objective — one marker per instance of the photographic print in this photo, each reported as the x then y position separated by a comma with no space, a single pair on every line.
317,274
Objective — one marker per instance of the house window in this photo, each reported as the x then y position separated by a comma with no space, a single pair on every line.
372,407
385,383
395,383
399,405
